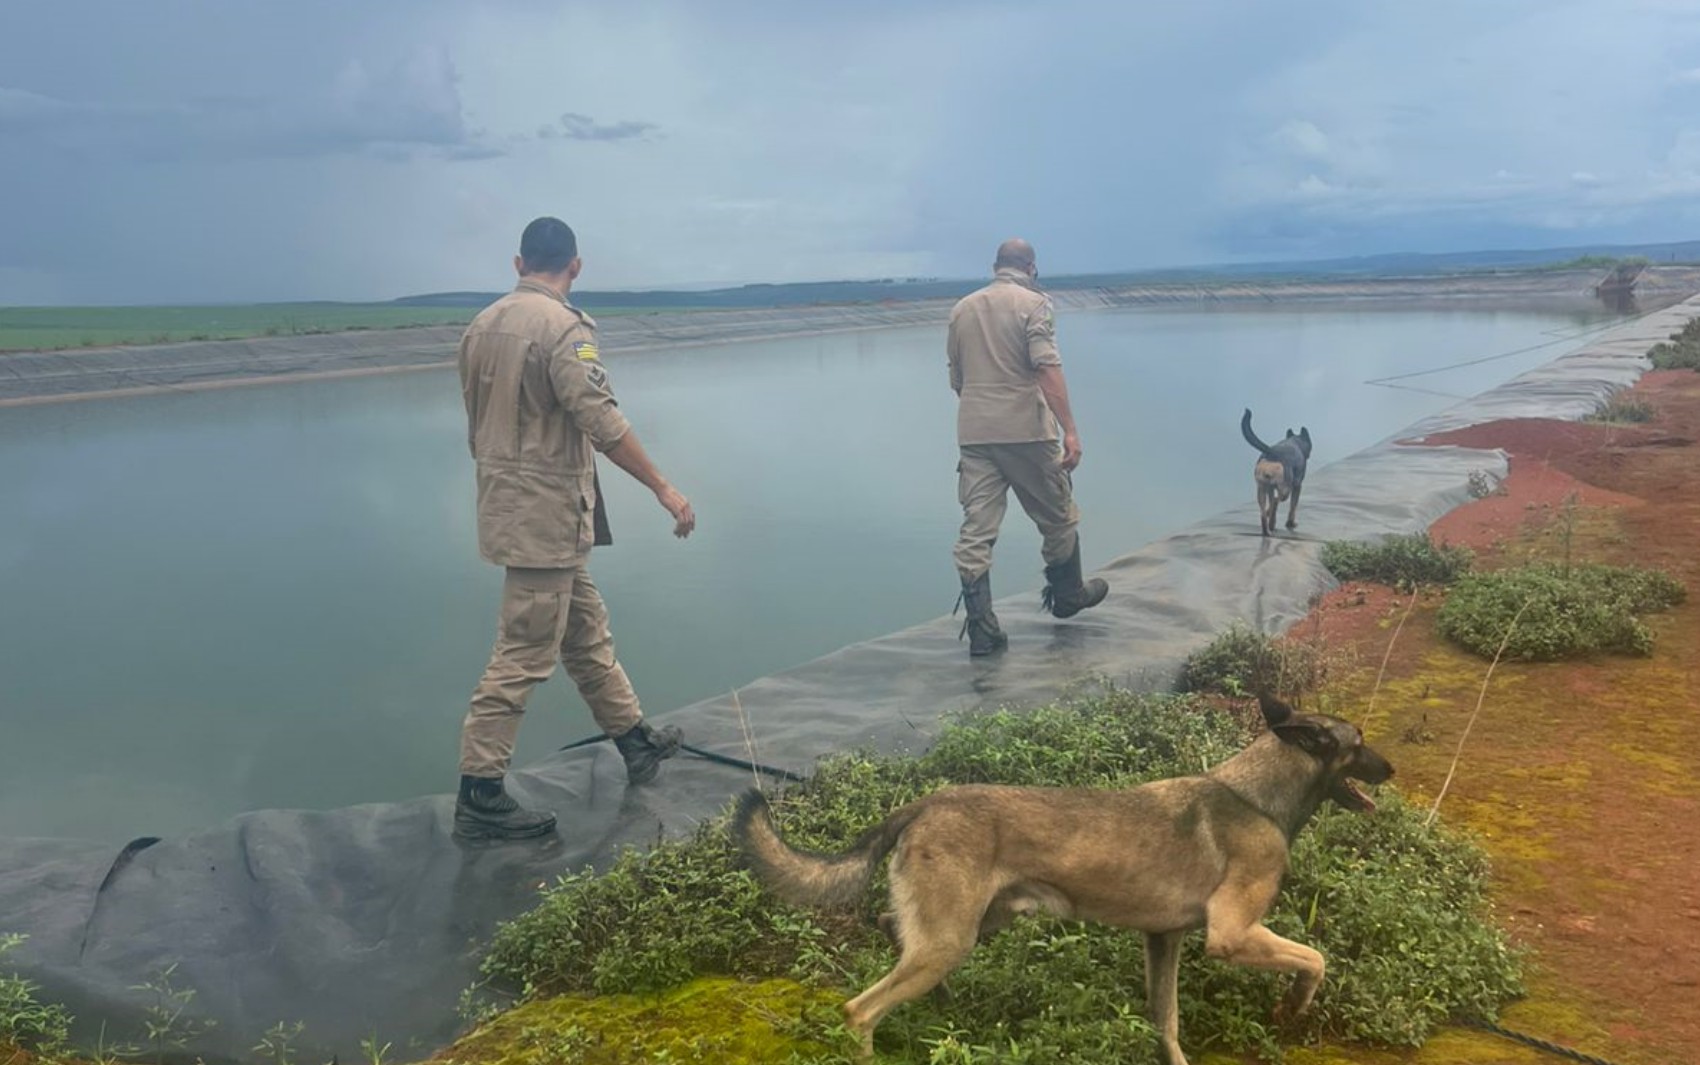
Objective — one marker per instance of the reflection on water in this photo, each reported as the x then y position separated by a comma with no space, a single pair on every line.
269,597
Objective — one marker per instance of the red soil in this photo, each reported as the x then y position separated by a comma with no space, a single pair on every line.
1582,777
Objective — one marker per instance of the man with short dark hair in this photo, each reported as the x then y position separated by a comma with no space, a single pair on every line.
1004,366
539,409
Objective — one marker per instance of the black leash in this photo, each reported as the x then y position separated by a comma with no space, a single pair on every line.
739,763
1529,1040
708,756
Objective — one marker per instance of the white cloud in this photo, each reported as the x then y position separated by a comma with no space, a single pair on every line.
1313,186
1302,139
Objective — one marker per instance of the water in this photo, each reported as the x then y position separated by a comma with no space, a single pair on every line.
271,597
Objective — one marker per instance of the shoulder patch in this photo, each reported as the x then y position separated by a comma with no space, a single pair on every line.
585,349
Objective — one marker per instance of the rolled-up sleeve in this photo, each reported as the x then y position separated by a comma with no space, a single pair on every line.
1042,337
581,386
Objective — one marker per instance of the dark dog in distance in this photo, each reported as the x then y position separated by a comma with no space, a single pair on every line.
1279,473
1169,856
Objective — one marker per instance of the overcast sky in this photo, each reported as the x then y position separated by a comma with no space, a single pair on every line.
184,152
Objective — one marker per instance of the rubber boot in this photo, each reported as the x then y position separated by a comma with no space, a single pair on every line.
485,810
645,747
1065,594
985,635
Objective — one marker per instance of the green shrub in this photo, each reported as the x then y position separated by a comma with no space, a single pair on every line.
1400,561
1237,662
26,1022
1399,911
1682,352
1241,661
1571,611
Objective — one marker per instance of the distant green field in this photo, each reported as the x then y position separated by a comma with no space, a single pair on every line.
54,328
58,328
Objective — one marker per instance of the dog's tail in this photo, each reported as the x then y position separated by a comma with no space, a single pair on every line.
1251,437
804,878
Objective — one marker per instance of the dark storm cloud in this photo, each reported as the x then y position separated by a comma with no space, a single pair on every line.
411,105
183,150
577,127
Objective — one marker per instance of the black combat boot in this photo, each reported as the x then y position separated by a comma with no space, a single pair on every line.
985,635
645,747
485,810
1065,594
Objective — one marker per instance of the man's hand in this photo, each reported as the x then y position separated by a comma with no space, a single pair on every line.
684,519
1071,451
630,456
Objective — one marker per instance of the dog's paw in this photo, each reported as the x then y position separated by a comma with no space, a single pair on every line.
1289,1013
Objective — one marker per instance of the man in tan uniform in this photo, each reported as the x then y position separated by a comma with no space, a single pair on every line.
1013,404
538,409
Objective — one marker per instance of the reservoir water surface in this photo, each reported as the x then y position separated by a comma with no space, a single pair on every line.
220,601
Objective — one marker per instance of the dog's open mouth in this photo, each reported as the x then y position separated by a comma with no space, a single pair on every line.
1347,793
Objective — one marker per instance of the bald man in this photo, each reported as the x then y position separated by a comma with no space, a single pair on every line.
1012,407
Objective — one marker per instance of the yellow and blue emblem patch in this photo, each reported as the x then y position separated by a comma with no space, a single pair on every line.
585,349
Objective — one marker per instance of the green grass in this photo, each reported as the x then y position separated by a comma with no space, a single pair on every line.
1400,911
59,328
55,328
1594,262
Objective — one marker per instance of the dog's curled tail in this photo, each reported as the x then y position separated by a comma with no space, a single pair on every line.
804,878
1251,437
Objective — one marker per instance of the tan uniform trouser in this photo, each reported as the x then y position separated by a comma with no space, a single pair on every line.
546,613
986,473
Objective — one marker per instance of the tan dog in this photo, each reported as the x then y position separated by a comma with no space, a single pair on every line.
1164,858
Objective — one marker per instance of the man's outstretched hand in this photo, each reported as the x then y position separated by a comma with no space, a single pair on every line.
684,518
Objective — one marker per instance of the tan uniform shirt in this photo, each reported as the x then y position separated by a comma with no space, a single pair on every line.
999,337
538,408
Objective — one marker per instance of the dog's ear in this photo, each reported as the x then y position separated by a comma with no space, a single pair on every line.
1275,712
1308,735
1289,432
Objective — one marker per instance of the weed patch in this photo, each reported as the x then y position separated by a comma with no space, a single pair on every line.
26,1022
1571,610
1399,911
1681,352
1405,562
1482,485
1241,661
1622,409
